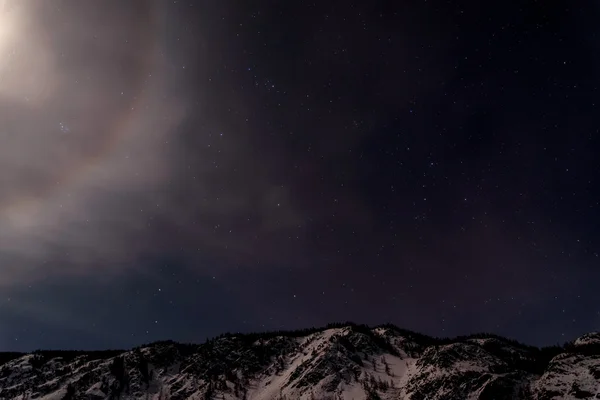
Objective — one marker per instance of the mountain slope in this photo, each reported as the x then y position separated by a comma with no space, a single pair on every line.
339,362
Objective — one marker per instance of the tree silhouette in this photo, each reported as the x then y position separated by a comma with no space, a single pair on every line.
70,393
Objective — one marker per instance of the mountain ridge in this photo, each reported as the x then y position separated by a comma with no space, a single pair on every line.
338,361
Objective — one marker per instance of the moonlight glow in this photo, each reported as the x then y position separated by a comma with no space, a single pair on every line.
25,67
8,24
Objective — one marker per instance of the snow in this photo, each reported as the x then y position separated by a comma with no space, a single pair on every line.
58,395
269,388
588,339
95,391
320,365
272,386
574,369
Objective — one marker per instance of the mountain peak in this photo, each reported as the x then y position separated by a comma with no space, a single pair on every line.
341,361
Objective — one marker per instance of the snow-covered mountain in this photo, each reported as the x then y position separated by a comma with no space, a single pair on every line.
343,361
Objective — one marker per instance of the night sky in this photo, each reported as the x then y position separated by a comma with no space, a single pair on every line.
176,170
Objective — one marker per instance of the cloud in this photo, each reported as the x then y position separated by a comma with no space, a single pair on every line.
85,109
108,157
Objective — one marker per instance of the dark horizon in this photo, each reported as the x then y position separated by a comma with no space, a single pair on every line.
310,330
178,170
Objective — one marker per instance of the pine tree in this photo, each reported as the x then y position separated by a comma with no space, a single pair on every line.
386,366
70,392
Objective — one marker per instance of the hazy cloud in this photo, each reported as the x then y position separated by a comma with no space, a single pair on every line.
106,157
85,109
